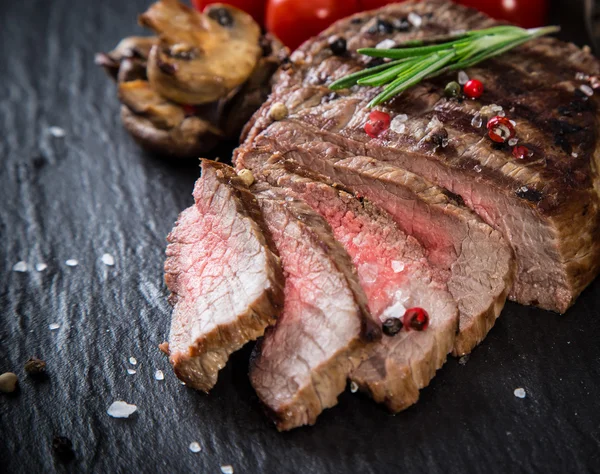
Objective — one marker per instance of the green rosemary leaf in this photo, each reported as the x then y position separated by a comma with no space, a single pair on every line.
399,53
429,58
401,84
388,75
501,48
351,79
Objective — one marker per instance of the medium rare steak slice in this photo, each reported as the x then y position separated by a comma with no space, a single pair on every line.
303,362
224,276
545,202
478,260
395,276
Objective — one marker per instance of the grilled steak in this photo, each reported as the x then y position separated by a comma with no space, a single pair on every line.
395,276
303,362
477,259
546,204
224,276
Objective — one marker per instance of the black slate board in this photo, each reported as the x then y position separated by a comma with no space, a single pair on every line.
94,191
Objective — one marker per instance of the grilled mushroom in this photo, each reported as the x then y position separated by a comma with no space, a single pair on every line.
197,82
162,126
200,58
128,60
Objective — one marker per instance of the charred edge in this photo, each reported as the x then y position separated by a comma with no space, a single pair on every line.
529,194
455,198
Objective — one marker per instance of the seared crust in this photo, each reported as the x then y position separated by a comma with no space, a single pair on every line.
554,192
198,364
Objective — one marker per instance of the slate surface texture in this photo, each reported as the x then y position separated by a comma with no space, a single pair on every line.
93,192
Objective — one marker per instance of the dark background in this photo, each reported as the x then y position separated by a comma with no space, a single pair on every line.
94,191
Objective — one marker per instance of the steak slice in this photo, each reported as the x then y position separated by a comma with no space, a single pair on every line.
303,362
395,276
477,258
224,276
546,205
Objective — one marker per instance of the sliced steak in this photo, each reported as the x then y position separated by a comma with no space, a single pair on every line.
224,276
477,258
395,276
303,362
546,204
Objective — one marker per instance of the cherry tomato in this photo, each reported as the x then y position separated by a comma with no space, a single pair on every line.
294,21
255,8
525,13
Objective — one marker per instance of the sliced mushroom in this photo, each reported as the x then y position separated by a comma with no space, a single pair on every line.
128,60
191,138
141,99
256,89
200,58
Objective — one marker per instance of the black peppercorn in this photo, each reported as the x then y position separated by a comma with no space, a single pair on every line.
35,366
382,27
338,46
392,326
402,24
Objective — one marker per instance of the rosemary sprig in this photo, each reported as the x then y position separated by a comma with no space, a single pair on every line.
420,59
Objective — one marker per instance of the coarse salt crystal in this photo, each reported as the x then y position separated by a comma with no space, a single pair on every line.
397,266
195,447
463,78
57,132
40,267
415,19
53,326
587,90
121,409
476,121
20,267
72,262
368,272
131,371
353,387
574,155
397,126
520,393
513,141
227,469
386,44
132,360
464,359
477,168
108,259
580,76
158,375
496,107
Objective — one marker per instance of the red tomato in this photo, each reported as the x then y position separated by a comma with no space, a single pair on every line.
525,13
294,21
255,8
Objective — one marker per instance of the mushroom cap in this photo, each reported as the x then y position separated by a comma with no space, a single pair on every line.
200,57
